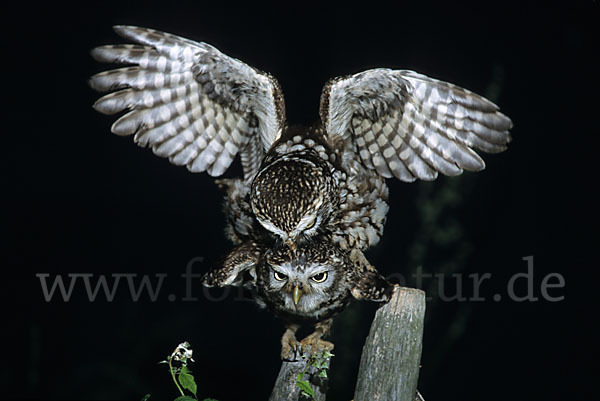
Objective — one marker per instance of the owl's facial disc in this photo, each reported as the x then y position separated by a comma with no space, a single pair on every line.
303,286
317,278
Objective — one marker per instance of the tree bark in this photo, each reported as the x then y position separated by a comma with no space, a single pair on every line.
389,366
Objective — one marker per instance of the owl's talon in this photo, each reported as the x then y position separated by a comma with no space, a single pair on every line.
313,344
294,350
291,351
289,344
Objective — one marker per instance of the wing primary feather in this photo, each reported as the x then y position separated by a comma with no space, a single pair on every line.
445,91
144,56
130,98
137,78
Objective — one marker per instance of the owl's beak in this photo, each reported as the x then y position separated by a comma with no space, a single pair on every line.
297,293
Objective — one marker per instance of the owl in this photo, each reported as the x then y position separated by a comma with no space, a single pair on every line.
311,199
309,283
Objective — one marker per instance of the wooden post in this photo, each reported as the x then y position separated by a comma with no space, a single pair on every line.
389,366
286,388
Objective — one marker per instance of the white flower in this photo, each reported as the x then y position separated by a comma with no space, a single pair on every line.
183,353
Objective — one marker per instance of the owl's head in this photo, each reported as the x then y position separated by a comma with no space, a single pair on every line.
314,281
294,196
311,282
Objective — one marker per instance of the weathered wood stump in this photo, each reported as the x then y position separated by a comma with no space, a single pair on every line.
286,388
389,366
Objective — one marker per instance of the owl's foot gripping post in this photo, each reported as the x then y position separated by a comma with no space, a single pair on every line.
293,350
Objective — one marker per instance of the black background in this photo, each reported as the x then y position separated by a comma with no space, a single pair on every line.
78,199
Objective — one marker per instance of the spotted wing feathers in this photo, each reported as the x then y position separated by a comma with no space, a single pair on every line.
240,260
410,126
188,101
371,286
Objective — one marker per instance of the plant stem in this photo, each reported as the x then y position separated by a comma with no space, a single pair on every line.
174,379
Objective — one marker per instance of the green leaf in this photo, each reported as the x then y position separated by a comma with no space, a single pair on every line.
323,373
185,398
187,380
145,398
306,387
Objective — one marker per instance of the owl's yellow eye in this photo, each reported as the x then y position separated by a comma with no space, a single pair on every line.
279,276
319,278
311,224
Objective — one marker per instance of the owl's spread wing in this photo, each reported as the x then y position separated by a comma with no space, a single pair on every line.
189,102
410,126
